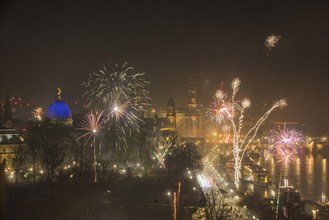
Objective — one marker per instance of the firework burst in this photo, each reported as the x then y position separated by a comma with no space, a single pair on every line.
122,92
161,151
285,144
285,154
271,42
219,111
287,137
226,110
91,125
38,113
120,119
113,83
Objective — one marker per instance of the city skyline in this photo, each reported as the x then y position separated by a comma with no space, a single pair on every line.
46,45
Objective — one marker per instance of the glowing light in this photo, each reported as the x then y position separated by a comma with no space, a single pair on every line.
226,110
121,90
287,137
271,42
91,124
246,103
235,85
38,113
161,151
286,144
203,182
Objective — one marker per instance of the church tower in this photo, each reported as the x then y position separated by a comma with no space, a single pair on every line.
171,112
192,117
8,111
192,103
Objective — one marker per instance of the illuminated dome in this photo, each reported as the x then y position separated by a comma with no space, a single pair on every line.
59,109
59,112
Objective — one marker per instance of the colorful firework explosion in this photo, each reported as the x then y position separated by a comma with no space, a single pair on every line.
122,93
91,124
285,144
228,110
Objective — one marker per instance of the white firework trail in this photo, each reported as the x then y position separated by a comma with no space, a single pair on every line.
230,111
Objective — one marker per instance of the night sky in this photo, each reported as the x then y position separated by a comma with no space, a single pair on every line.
49,44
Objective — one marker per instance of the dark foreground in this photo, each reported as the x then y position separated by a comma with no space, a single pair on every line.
134,198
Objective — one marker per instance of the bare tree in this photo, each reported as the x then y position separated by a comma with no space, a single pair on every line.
217,206
291,205
52,148
102,171
19,160
182,157
143,145
34,147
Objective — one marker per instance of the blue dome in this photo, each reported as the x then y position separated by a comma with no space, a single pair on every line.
59,109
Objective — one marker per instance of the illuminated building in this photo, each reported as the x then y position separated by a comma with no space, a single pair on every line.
59,112
192,127
9,140
171,114
186,121
9,136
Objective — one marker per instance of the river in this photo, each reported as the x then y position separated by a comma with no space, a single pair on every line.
308,173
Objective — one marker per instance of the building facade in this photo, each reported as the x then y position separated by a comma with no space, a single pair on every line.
186,121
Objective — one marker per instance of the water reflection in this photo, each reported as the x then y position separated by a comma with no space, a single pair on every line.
324,176
307,173
297,167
